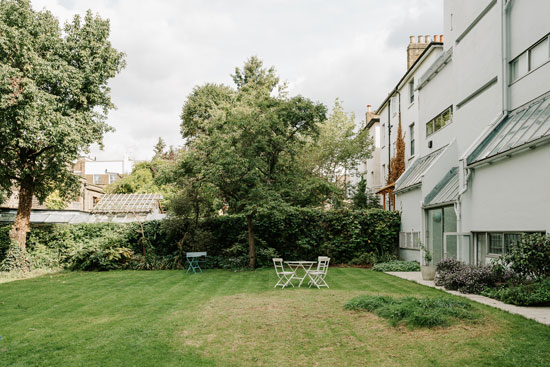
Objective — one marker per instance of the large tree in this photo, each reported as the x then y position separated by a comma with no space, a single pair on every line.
54,99
244,141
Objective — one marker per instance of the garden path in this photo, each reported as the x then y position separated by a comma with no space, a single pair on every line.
539,314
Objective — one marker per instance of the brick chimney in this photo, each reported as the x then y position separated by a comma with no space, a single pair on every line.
415,48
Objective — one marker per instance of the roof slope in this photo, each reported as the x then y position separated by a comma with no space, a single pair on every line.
127,203
524,126
445,191
414,173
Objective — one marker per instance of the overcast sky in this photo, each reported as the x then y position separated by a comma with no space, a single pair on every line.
351,49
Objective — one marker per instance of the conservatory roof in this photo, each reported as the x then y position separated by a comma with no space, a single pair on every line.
413,174
445,191
127,203
526,126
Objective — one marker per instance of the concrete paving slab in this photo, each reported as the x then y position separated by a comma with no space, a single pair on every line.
539,314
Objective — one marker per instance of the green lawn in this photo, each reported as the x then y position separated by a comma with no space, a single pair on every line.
222,318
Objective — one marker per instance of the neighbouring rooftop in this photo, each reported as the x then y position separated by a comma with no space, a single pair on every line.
127,203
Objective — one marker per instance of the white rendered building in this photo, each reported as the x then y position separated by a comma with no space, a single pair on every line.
480,171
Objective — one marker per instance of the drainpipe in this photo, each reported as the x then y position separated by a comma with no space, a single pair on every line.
389,143
506,4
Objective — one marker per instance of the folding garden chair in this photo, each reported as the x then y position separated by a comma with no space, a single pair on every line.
317,276
285,277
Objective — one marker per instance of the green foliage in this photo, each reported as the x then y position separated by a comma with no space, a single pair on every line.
15,260
397,265
530,294
363,198
415,312
531,257
338,149
297,233
55,202
54,95
146,177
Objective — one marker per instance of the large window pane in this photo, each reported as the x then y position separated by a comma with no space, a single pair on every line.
429,128
511,240
481,248
495,243
539,55
519,66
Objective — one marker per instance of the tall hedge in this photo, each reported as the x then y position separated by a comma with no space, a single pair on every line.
297,233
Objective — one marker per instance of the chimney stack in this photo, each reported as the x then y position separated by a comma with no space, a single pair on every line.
369,115
415,49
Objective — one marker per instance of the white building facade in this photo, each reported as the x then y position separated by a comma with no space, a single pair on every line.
479,175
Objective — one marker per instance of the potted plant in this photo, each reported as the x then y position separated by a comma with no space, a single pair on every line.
427,268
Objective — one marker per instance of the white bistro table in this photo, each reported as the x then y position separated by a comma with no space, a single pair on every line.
305,265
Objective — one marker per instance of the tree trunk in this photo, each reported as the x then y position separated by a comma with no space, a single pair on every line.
22,224
251,244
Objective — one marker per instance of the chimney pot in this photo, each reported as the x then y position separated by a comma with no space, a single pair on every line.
427,38
441,38
435,38
420,39
411,39
368,107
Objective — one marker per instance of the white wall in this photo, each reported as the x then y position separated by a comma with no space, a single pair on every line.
510,195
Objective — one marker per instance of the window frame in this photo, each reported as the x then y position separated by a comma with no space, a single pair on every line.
527,53
439,117
411,91
411,140
96,179
112,178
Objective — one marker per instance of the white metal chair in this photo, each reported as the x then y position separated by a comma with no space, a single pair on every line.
285,277
317,277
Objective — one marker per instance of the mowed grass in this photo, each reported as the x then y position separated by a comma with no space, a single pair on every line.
222,318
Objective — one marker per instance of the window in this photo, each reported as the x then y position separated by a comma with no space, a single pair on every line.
112,177
409,240
531,59
538,55
411,91
97,179
383,136
497,243
383,171
393,103
440,121
411,138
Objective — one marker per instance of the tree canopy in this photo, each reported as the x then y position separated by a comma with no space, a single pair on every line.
54,100
339,149
243,142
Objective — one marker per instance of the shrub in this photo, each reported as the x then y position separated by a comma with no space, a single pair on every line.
397,265
455,275
415,312
531,257
531,294
367,258
294,233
